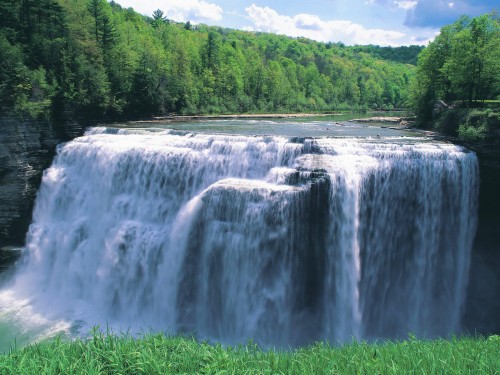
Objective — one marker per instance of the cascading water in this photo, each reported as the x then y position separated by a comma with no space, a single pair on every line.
284,241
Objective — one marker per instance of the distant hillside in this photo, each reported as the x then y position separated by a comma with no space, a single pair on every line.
404,54
97,59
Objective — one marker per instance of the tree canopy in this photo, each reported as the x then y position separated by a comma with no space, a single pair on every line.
462,65
98,59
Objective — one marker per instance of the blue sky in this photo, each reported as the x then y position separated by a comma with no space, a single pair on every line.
382,22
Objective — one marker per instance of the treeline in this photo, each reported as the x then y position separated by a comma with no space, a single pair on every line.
97,59
403,54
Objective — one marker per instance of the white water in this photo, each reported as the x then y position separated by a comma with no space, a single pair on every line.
235,237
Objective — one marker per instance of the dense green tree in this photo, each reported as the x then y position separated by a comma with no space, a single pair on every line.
11,66
462,64
96,9
213,51
95,58
104,29
9,18
472,67
159,18
404,54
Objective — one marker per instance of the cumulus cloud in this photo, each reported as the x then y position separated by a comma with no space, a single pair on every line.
437,13
424,40
313,27
406,4
178,10
307,22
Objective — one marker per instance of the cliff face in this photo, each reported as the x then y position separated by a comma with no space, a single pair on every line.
26,149
482,307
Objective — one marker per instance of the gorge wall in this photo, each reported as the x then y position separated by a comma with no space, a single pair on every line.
26,149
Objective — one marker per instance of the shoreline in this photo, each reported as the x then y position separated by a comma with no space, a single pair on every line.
384,122
180,118
403,121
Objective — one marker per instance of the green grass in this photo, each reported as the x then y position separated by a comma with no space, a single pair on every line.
159,354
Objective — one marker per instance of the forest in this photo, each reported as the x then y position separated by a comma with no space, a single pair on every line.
98,60
461,68
95,59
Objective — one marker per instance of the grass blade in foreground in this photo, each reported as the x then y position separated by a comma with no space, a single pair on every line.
158,354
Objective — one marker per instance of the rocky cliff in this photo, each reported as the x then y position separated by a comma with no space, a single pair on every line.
482,307
26,149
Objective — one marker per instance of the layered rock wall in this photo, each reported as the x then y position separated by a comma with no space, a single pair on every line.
26,149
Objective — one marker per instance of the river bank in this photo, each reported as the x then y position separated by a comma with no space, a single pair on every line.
266,116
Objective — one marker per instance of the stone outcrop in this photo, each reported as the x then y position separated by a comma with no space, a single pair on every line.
482,307
26,149
439,107
395,122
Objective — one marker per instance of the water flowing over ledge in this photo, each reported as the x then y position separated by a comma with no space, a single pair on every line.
282,240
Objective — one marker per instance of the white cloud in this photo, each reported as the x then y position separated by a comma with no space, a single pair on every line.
178,10
311,26
406,5
424,40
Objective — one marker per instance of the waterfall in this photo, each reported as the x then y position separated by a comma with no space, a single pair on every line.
284,241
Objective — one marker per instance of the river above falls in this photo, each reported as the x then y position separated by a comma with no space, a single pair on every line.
323,126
